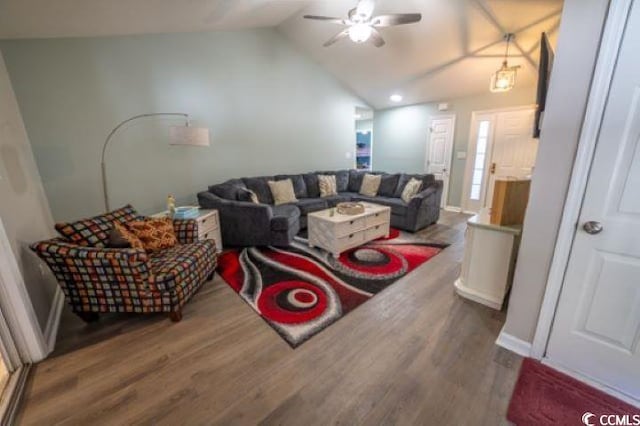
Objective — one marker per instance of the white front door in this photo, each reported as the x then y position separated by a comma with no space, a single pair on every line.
514,148
439,151
596,330
500,145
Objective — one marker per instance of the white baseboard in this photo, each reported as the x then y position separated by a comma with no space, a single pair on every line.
53,322
513,344
453,209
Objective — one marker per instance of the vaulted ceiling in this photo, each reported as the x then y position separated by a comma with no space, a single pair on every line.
451,53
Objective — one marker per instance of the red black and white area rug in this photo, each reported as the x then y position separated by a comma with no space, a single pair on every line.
299,290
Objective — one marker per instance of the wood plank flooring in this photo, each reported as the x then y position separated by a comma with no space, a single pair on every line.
414,354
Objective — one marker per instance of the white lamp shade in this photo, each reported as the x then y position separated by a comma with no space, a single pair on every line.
187,135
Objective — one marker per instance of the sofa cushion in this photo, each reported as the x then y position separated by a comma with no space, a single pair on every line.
310,205
284,216
388,185
311,182
94,232
181,265
426,180
333,200
245,194
260,186
228,190
398,207
299,185
355,180
342,180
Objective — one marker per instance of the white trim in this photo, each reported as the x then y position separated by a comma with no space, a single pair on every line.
453,209
445,190
53,322
592,382
513,344
603,74
12,394
16,306
476,296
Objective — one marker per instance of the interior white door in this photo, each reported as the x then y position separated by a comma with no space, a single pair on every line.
596,330
439,151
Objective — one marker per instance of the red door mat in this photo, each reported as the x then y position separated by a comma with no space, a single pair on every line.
544,396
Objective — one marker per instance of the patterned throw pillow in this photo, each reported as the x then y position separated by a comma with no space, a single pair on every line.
282,191
94,232
120,234
411,189
155,234
327,184
370,185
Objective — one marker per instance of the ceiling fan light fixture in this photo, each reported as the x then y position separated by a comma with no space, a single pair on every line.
359,33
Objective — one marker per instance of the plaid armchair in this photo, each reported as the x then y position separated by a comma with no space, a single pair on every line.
96,279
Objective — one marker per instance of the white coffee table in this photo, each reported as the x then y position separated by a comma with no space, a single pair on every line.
337,232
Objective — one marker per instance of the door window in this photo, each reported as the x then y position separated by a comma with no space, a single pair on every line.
479,163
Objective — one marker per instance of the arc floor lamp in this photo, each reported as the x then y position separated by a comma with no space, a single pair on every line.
178,135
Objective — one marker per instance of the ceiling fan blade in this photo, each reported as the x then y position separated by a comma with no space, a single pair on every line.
376,38
342,34
395,19
327,19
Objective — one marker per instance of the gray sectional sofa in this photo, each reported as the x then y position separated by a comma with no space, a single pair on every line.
245,223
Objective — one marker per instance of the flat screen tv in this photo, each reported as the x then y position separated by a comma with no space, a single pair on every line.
544,75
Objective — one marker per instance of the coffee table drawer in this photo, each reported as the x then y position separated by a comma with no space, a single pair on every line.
349,227
349,241
377,219
376,232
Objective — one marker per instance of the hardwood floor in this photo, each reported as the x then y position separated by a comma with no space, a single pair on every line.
414,354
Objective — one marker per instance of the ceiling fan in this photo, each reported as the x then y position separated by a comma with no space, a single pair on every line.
362,27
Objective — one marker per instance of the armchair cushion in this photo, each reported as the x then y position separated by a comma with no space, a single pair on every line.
182,267
186,230
121,237
94,232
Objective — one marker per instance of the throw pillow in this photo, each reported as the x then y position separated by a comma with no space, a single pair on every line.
155,234
411,189
121,237
327,184
245,194
282,191
370,185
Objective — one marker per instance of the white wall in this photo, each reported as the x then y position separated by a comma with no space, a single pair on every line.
401,133
269,109
23,205
580,32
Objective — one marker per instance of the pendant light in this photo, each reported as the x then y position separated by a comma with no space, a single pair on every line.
504,78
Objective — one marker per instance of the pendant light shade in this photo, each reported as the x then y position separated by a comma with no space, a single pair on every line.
504,79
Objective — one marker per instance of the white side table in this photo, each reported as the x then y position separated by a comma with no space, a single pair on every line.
489,261
208,226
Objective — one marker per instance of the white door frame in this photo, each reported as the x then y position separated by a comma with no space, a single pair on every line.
603,74
471,144
445,190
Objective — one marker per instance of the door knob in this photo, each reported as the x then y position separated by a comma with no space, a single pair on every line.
592,227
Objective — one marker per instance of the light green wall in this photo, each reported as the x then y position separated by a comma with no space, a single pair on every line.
401,133
24,212
269,110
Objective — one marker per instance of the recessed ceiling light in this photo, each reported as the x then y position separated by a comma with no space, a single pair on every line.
395,98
